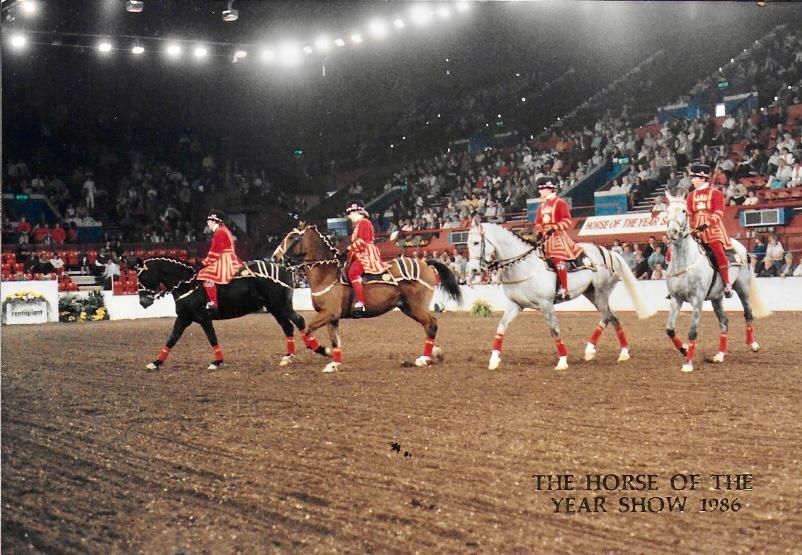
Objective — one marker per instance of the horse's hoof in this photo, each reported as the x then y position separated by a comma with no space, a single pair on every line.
327,351
718,357
755,346
590,352
438,355
562,364
422,361
624,356
684,349
153,365
286,360
215,365
495,361
331,367
687,367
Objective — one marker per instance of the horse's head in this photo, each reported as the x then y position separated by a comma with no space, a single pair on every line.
677,217
481,251
290,247
158,276
307,244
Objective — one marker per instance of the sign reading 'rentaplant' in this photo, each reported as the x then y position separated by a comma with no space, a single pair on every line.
622,224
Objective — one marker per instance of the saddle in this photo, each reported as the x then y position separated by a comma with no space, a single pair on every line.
583,262
407,269
385,277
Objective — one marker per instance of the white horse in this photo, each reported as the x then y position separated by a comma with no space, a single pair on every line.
528,282
692,278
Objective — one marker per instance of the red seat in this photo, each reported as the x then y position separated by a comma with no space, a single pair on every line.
19,267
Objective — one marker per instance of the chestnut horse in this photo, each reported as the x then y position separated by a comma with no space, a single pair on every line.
407,284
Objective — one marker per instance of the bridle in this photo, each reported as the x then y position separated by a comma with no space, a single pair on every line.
683,226
283,252
497,264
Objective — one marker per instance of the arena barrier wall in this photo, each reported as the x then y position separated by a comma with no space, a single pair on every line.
47,288
779,294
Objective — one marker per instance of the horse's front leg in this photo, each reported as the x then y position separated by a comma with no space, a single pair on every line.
323,317
208,329
671,325
336,351
723,321
178,329
511,312
692,334
554,326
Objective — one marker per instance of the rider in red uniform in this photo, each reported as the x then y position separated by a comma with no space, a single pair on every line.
363,255
222,262
705,211
551,225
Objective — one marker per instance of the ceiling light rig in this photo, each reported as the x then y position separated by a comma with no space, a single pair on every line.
230,14
134,6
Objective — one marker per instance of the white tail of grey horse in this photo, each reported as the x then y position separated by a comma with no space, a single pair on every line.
759,308
642,307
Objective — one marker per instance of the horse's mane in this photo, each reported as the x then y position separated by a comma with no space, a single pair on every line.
325,239
522,241
170,259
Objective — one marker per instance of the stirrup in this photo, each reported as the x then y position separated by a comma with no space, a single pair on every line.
727,291
563,294
359,308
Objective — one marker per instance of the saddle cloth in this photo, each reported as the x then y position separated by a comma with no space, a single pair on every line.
584,262
406,269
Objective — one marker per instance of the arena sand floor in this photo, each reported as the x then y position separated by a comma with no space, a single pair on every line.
99,456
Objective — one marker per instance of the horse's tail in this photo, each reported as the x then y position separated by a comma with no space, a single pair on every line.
642,307
759,308
447,280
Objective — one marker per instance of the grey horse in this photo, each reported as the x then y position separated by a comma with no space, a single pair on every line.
692,278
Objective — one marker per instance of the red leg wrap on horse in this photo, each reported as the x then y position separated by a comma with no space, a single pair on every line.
561,350
218,352
311,342
691,350
721,260
211,291
291,345
336,355
359,290
750,334
497,342
722,343
677,342
594,338
428,347
163,354
622,337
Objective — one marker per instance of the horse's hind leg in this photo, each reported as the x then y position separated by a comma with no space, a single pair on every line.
554,326
420,313
208,329
692,334
336,349
742,289
601,300
178,329
289,332
723,322
511,312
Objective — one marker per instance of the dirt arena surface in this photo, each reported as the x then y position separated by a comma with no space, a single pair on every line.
100,456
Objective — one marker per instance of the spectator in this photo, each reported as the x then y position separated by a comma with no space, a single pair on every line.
739,193
788,267
89,190
642,270
775,251
758,250
783,175
751,200
56,262
767,269
657,273
58,234
23,227
617,247
629,257
110,272
39,232
72,233
656,258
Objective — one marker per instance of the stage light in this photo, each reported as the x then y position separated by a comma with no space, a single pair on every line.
523,99
138,49
323,44
29,7
399,23
134,6
230,14
420,14
200,52
18,41
462,7
267,55
239,54
289,54
378,29
308,50
174,50
356,38
443,12
339,42
104,46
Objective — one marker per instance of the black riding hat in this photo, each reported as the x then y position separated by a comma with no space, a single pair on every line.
216,216
546,182
699,170
355,205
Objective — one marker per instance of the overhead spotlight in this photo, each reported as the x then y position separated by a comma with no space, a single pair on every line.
339,42
499,116
443,12
230,14
104,46
462,7
308,50
267,55
378,28
18,41
29,7
138,49
421,14
399,23
289,54
174,50
200,52
323,44
134,6
356,38
523,99
239,54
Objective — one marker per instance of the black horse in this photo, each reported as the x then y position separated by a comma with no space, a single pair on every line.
260,284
